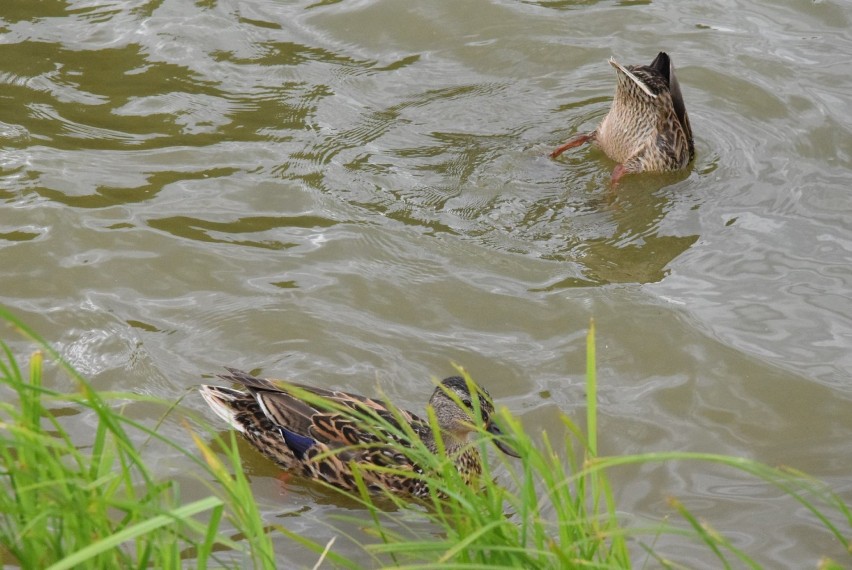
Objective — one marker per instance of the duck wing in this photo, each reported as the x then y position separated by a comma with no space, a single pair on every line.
339,423
663,65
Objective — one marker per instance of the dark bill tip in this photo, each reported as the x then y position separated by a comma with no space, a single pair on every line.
498,440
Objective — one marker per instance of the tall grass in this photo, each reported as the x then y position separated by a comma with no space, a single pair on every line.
555,507
94,503
544,511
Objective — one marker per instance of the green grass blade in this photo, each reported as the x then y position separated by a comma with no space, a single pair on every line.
591,392
135,531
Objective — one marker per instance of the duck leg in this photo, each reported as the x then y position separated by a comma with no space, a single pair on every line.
632,165
617,172
577,141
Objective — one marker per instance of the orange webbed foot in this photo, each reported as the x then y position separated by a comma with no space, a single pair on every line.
577,141
617,172
284,478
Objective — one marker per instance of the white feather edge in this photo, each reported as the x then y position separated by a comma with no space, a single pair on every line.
629,74
214,401
264,409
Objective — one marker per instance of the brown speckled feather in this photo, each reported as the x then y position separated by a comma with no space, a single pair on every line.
647,128
320,433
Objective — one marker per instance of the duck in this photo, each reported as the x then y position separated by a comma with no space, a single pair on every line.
647,128
324,435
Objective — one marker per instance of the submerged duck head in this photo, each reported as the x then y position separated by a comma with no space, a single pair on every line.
647,128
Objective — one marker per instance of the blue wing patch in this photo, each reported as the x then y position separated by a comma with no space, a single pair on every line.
300,444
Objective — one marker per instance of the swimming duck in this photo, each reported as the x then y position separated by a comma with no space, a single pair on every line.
320,433
647,128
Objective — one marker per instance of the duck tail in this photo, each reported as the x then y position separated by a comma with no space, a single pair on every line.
252,382
225,402
662,64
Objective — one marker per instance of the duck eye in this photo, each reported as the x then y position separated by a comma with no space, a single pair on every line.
467,403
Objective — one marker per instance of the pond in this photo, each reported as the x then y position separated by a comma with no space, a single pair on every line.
358,194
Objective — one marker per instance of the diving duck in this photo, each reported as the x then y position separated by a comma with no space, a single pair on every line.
320,433
646,129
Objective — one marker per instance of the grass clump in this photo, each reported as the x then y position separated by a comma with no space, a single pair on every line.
548,514
95,504
555,507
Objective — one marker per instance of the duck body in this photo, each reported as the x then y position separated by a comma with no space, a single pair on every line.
647,128
321,434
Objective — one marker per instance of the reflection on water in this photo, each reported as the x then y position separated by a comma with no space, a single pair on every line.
360,192
204,230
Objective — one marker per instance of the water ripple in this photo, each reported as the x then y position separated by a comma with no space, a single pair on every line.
360,192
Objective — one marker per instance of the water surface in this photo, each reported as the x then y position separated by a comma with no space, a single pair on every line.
356,194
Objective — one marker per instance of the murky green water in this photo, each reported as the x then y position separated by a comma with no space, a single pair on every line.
346,193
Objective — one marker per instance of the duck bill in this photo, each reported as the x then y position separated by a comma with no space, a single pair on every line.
498,440
630,75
